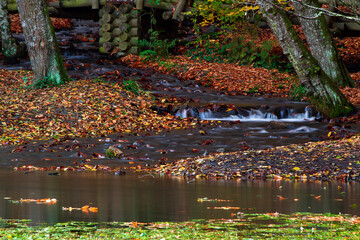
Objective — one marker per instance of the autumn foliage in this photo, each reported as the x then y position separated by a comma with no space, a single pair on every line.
58,23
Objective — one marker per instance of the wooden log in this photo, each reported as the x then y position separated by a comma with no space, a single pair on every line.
95,4
140,4
101,41
107,36
53,11
119,54
123,46
134,41
116,32
180,17
178,9
125,8
109,8
101,22
116,41
102,50
352,26
124,37
343,26
107,27
134,13
134,31
134,22
116,14
117,22
167,15
133,50
124,27
108,46
107,18
123,18
101,32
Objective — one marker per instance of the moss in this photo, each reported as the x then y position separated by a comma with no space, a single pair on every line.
59,76
249,226
330,110
62,74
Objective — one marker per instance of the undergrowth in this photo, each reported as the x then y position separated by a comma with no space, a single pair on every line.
45,82
240,51
131,86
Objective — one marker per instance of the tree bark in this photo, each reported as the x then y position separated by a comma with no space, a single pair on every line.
321,44
45,57
8,43
322,91
178,9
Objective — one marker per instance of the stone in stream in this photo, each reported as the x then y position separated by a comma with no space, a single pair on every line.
113,152
120,173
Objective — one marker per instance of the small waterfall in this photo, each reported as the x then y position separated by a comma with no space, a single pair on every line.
219,114
205,114
185,113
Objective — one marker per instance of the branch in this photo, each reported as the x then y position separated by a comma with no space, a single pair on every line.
328,13
321,11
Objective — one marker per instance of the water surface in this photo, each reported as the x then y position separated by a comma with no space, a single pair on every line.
148,198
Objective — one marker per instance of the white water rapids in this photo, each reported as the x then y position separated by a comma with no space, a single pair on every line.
252,115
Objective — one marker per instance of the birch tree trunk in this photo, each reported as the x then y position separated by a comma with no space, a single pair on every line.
321,43
8,43
322,91
45,57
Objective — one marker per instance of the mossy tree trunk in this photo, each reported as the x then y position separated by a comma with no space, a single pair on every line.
45,57
322,91
8,43
321,43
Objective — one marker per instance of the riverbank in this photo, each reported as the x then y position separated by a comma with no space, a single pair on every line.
102,106
254,226
80,108
232,79
329,160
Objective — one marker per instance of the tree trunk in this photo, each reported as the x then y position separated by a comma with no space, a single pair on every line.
322,91
8,43
45,57
321,44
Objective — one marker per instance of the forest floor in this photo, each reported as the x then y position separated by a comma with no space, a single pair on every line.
98,107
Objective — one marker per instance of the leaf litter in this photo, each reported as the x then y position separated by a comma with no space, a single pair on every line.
87,108
81,108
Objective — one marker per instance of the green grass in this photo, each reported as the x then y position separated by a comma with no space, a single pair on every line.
247,226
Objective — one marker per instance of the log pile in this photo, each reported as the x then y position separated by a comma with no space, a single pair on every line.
119,29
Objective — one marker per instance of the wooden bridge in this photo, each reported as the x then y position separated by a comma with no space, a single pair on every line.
123,22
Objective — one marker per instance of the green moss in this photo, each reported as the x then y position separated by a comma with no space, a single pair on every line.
330,110
60,75
254,226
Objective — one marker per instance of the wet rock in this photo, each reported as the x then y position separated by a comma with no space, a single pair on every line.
120,173
113,152
53,174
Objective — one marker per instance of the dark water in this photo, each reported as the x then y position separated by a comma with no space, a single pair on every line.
147,198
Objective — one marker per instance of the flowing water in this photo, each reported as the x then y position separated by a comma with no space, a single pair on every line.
244,122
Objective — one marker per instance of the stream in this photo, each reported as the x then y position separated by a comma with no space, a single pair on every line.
243,123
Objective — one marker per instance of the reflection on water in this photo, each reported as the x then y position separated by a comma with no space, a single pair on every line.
148,198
